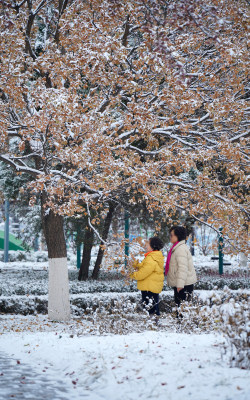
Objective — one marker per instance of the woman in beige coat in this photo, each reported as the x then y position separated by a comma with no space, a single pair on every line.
179,267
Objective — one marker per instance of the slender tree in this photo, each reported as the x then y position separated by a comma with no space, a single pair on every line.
86,255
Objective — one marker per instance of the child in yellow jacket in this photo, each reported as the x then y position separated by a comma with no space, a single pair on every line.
150,274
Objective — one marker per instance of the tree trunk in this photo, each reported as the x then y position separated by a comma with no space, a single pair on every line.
105,232
86,255
58,301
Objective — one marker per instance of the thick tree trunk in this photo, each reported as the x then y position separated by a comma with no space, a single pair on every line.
105,232
58,301
86,255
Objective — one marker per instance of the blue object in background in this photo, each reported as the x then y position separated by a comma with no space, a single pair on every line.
6,231
78,256
220,246
126,218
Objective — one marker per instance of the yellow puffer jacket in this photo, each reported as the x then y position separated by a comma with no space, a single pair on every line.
150,275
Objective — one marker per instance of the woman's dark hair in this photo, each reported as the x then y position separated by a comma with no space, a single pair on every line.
180,232
156,243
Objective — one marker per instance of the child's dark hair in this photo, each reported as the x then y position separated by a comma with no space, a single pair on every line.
156,243
180,232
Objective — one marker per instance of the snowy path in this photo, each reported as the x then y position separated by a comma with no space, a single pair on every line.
19,381
149,365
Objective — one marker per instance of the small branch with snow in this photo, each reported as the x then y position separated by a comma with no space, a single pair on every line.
20,168
95,230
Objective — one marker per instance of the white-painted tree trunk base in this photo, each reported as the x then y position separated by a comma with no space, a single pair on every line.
243,259
58,304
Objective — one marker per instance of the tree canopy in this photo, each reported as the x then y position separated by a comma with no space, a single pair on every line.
109,101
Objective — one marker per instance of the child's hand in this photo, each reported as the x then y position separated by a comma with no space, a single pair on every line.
130,269
135,265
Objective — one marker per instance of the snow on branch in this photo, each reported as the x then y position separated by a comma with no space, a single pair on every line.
20,168
40,6
95,230
241,135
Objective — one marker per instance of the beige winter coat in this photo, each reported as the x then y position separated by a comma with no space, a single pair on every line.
181,268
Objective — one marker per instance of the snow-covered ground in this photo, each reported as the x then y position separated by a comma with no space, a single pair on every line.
149,365
110,350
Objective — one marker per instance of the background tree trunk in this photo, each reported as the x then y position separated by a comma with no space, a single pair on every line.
58,300
104,236
86,255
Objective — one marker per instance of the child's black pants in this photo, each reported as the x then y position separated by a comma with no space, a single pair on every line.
154,297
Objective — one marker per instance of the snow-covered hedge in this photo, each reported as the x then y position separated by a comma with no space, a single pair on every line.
88,302
227,312
81,305
32,281
15,256
33,256
236,327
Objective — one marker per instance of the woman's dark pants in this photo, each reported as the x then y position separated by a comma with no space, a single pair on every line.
184,294
153,298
